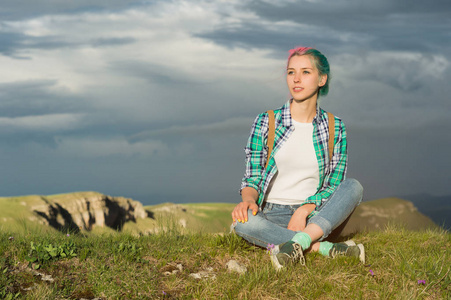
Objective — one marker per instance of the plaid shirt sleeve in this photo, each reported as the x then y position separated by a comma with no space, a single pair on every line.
335,172
256,153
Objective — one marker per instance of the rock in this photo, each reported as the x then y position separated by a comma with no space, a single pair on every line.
83,211
180,267
208,273
44,277
235,266
172,268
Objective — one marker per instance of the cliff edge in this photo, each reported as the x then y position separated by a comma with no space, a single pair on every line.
86,210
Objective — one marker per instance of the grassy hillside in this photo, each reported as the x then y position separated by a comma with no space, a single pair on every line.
174,243
401,264
197,217
16,214
377,214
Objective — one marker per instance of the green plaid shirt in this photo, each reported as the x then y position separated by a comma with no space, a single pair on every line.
331,173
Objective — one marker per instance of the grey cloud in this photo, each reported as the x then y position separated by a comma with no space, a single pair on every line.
405,71
12,43
16,139
50,42
219,128
103,42
24,9
154,73
346,13
32,98
381,25
37,101
372,94
251,35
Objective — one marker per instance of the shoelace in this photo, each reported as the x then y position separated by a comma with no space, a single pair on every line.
335,252
297,253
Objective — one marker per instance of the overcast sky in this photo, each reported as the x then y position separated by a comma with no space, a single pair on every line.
154,100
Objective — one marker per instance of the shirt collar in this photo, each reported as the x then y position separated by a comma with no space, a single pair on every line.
286,115
319,115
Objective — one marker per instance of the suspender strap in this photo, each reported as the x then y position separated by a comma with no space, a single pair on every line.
331,135
271,134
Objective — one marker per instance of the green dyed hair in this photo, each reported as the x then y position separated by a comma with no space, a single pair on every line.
320,61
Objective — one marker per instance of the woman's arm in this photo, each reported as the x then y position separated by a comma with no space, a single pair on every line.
255,160
299,218
256,154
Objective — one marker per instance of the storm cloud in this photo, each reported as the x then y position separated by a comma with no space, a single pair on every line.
155,99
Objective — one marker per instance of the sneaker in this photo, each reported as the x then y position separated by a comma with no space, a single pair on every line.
348,248
286,253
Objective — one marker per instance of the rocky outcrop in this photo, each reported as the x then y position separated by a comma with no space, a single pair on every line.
84,211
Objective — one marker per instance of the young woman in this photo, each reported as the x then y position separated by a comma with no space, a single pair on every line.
301,195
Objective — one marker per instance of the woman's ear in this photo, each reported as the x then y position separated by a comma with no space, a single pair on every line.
322,80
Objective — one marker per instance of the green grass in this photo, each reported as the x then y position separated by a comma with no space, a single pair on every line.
132,264
125,266
14,212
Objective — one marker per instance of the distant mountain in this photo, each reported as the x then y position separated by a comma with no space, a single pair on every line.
377,214
438,208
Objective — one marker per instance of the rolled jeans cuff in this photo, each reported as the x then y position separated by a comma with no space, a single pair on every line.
340,205
324,224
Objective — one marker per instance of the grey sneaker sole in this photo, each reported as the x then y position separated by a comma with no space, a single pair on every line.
362,253
274,260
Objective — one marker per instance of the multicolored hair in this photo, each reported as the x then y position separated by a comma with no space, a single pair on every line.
320,61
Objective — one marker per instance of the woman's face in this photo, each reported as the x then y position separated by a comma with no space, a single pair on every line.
303,78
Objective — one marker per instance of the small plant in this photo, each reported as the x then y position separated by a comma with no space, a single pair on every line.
232,242
4,293
42,253
130,250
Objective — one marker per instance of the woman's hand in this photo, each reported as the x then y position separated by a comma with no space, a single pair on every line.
249,196
239,213
299,218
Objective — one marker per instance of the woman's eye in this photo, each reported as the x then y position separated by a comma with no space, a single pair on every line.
306,72
290,72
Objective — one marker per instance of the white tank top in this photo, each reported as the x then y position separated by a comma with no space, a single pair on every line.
298,172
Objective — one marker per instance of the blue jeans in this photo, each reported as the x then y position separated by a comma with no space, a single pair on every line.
269,226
